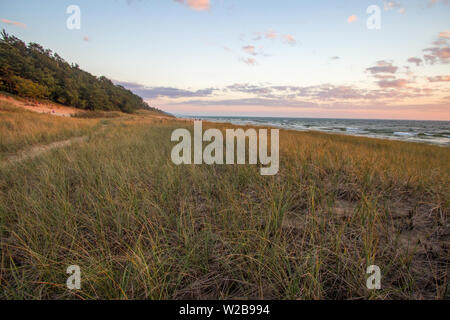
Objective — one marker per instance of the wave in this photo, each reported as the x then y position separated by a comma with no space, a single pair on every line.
433,132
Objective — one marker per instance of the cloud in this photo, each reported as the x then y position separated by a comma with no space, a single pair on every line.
271,35
415,60
398,83
258,36
437,54
249,61
383,67
440,53
439,79
352,18
247,88
251,102
289,39
444,35
443,38
433,2
163,92
199,5
325,96
327,92
14,23
391,5
384,76
250,50
283,103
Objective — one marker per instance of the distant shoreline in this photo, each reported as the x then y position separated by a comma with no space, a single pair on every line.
434,132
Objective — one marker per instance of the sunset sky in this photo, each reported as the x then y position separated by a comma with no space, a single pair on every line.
285,58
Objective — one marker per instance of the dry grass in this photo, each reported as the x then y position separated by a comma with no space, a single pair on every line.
140,227
20,128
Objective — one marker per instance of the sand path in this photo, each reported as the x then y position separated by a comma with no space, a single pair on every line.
35,151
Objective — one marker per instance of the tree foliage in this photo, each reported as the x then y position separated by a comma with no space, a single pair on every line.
34,72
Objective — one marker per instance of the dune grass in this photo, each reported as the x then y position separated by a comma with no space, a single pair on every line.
142,228
20,128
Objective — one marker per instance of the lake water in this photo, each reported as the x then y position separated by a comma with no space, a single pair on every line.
433,132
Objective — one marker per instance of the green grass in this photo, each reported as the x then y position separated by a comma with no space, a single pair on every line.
142,228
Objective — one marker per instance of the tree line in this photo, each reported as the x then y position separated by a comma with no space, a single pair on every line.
34,72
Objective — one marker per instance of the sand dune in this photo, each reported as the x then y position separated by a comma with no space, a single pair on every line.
42,107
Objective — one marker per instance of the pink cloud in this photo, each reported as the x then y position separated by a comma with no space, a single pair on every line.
250,50
384,76
289,39
444,34
383,67
352,18
14,23
439,79
433,2
249,61
271,34
441,52
415,60
199,5
437,54
399,83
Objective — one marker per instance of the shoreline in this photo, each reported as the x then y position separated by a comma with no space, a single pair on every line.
342,133
382,138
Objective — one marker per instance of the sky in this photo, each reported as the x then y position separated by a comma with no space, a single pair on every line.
285,58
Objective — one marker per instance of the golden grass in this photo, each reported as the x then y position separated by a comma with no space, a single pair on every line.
142,228
20,128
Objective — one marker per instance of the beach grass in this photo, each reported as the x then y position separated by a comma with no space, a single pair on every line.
141,227
20,128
